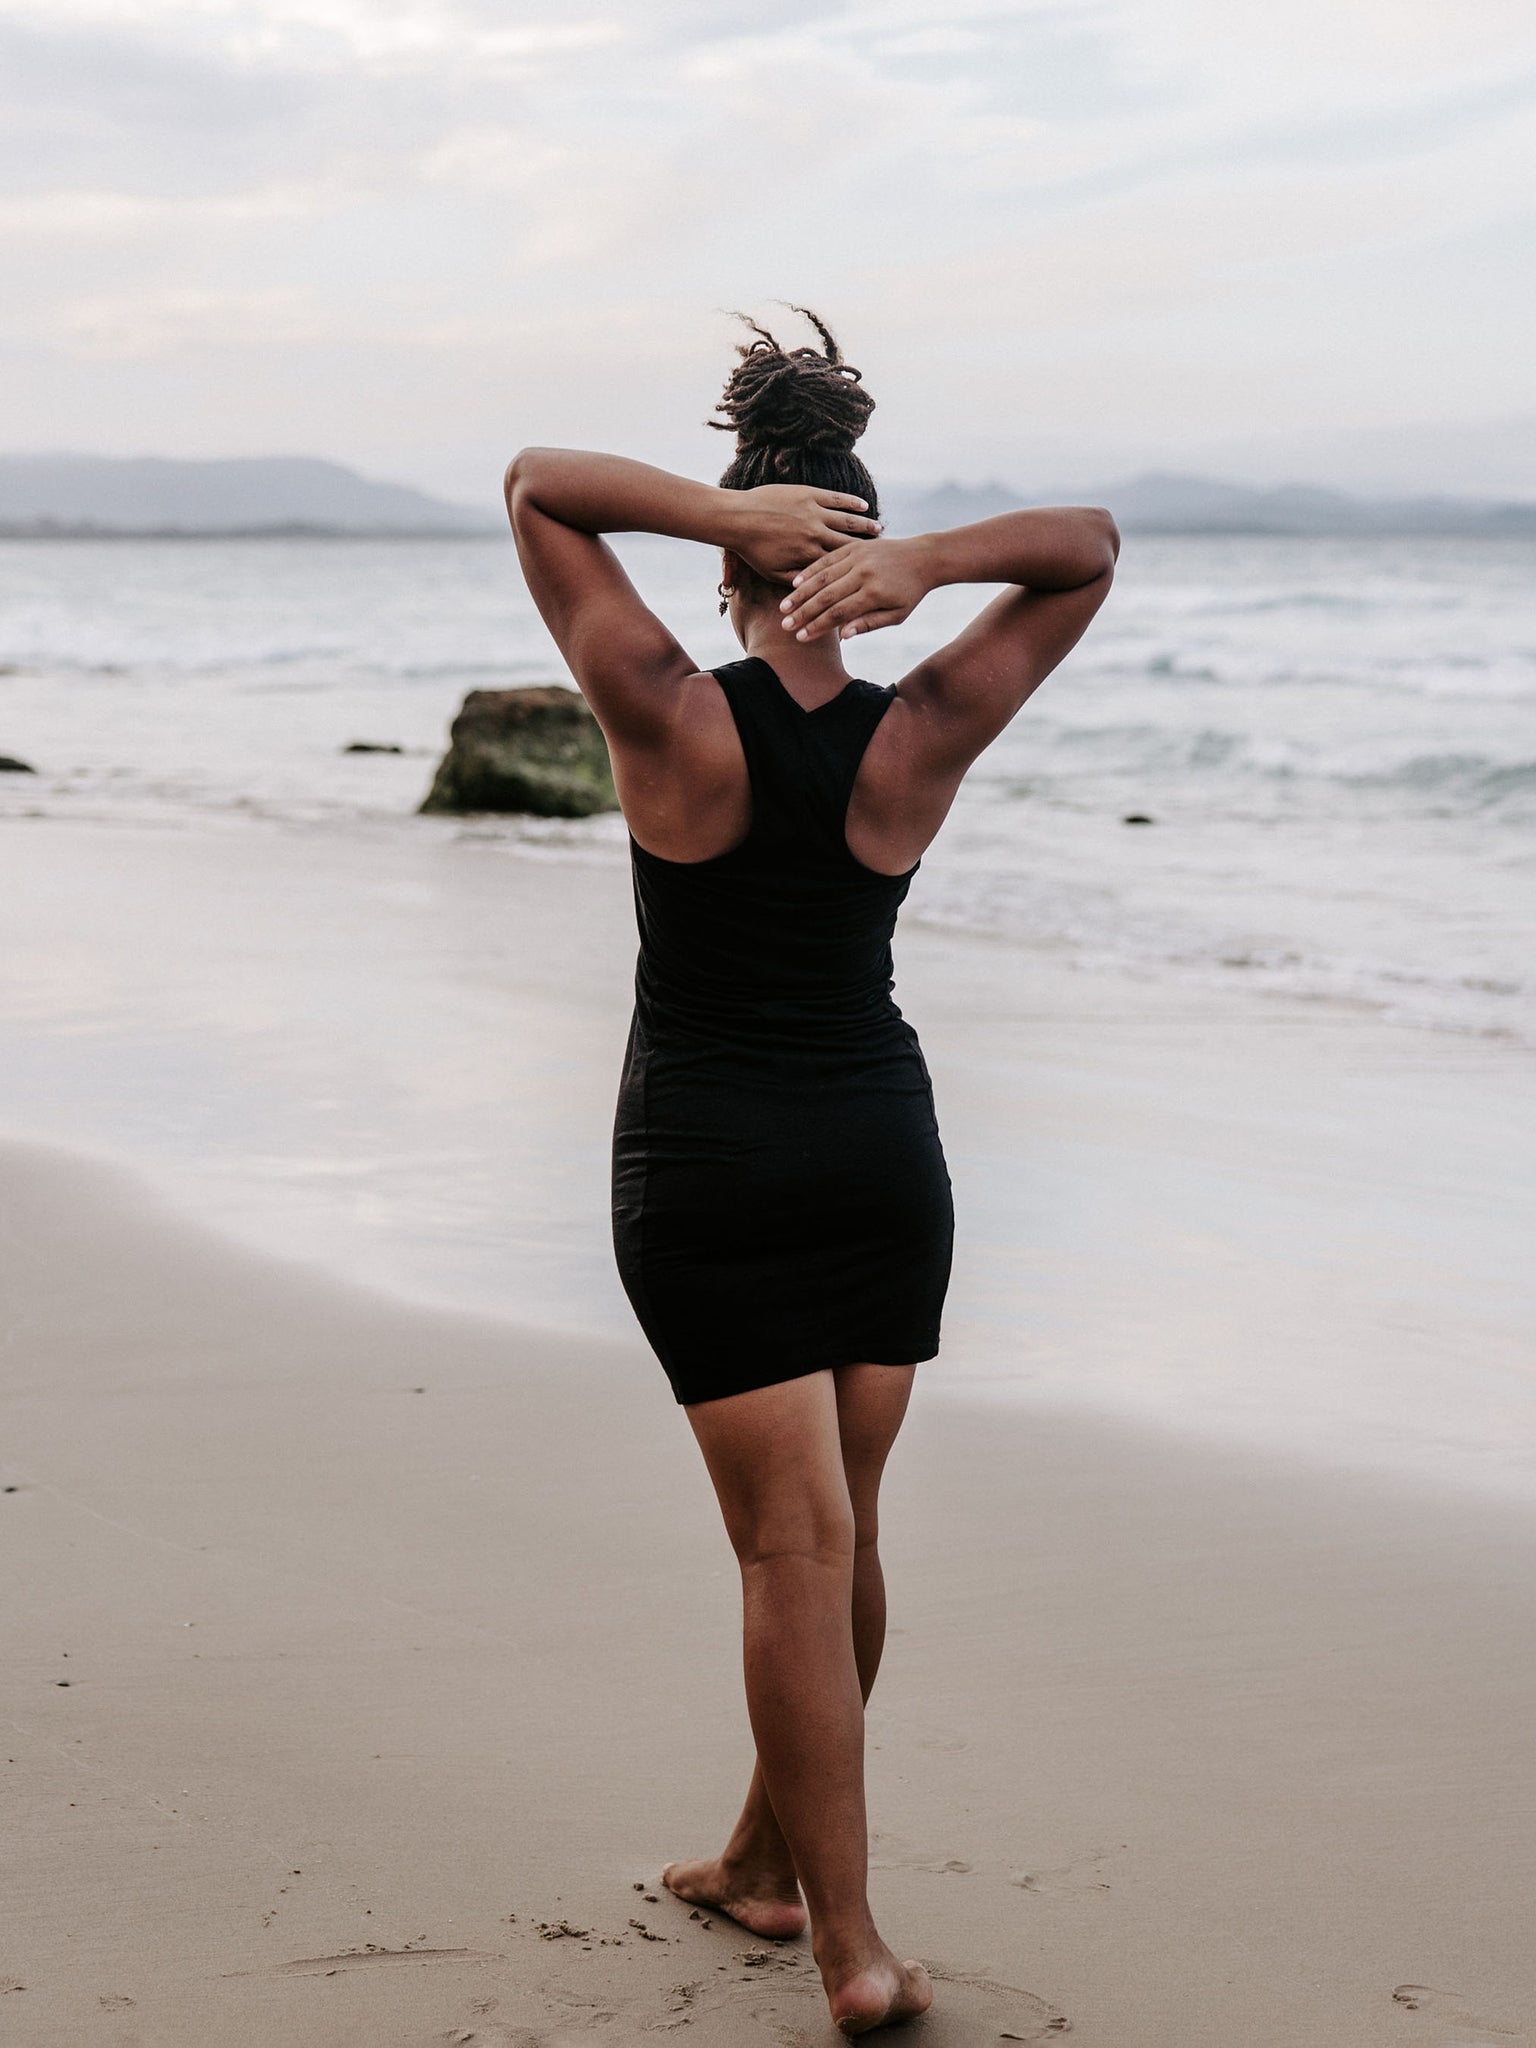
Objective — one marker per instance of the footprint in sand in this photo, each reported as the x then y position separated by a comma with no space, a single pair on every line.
1069,1880
890,1852
995,2011
747,1997
966,2007
488,2034
757,1996
604,1981
1449,2008
940,1866
373,1958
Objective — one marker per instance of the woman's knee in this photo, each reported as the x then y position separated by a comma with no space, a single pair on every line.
811,1527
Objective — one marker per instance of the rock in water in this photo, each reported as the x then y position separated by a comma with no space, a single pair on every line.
537,750
9,765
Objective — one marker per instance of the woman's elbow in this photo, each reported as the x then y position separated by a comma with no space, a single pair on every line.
1106,535
521,475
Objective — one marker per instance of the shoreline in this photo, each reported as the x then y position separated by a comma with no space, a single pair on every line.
345,1631
1267,1223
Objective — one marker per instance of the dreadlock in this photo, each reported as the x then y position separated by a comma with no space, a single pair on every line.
796,414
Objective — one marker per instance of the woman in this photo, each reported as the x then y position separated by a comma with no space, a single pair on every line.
781,1207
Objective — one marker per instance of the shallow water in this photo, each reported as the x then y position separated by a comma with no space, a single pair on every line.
1336,740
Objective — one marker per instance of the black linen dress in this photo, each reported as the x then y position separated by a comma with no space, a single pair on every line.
780,1198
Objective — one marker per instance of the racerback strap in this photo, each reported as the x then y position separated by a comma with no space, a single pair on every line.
801,764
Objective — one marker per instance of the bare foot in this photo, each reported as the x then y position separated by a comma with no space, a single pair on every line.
767,1905
883,1994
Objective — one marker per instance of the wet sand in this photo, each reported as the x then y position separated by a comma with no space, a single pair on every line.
392,1050
362,1660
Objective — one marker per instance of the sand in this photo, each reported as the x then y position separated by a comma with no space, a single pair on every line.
362,1660
369,1635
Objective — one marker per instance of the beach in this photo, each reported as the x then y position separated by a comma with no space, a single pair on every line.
371,1626
370,1640
357,1652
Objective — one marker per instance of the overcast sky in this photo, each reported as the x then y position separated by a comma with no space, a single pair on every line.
1060,239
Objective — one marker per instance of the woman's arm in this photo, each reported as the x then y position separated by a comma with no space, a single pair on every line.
868,584
777,528
561,501
1060,563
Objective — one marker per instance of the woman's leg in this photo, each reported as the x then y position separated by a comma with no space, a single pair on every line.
777,1458
871,1405
753,1879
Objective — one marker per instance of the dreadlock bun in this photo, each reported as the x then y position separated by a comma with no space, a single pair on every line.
794,398
796,414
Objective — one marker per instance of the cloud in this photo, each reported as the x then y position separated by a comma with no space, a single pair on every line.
179,322
118,216
1152,211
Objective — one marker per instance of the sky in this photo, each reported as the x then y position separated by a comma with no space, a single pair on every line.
1061,240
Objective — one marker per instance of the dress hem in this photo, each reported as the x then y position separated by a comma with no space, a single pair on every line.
775,1376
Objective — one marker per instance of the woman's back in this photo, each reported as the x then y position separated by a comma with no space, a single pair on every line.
780,1199
784,941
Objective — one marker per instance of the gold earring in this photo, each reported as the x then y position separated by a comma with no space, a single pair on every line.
727,592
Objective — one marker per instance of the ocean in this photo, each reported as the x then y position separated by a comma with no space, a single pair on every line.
1335,741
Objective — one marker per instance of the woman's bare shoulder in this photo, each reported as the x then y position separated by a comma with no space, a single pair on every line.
903,789
684,792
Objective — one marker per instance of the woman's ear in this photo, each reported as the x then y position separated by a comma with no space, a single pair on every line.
730,574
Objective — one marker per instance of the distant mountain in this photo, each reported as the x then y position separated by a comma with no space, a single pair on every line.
86,494
97,494
919,510
1164,502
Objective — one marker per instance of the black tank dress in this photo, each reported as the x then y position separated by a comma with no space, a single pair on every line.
780,1198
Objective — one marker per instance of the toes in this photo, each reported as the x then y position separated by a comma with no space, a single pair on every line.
919,1986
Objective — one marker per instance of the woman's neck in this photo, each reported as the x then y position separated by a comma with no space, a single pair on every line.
811,670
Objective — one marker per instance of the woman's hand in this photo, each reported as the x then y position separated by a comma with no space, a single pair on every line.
861,586
779,528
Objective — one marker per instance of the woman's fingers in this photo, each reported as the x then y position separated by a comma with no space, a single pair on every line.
842,501
836,558
808,607
833,613
840,524
814,575
833,567
871,623
809,599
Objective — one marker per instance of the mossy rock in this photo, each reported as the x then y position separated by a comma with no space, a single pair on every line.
538,751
